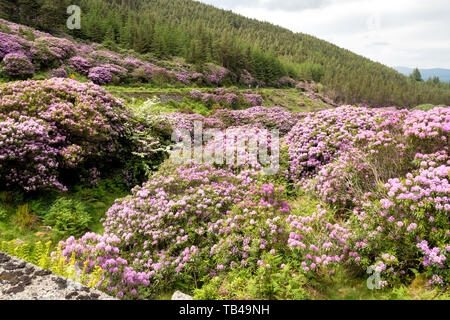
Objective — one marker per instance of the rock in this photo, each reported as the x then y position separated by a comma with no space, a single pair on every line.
100,204
20,280
74,285
19,242
181,296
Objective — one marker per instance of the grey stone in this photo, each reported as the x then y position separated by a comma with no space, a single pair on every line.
181,296
38,284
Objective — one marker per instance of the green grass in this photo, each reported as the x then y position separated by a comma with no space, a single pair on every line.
344,286
292,100
427,107
98,199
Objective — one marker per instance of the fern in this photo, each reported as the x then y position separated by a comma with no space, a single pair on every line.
40,255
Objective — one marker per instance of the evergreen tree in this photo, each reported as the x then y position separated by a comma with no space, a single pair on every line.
415,75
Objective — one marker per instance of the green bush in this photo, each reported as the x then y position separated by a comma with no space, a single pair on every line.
241,284
68,217
3,213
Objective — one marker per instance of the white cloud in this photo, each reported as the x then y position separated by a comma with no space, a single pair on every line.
394,32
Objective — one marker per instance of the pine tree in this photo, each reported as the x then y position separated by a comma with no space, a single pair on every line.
415,75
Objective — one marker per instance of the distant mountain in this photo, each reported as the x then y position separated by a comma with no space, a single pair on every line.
443,74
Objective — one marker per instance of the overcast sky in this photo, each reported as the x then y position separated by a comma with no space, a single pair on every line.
411,33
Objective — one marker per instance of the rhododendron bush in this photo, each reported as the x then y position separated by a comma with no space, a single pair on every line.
46,52
18,64
227,98
52,129
321,137
195,221
382,183
162,230
268,118
394,177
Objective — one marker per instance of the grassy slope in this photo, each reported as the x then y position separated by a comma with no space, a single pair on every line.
292,100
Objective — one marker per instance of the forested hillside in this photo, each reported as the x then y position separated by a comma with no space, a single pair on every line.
201,33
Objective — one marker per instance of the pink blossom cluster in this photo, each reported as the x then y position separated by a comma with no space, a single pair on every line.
80,65
161,230
287,82
47,52
224,97
52,125
253,99
269,118
214,74
321,137
100,75
18,64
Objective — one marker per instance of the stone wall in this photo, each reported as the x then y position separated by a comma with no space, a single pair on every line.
20,280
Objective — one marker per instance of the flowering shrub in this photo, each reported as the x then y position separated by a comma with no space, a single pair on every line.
29,153
241,148
106,57
80,65
131,63
220,96
399,196
214,74
116,70
185,122
264,227
248,80
269,118
321,137
161,230
59,73
17,64
387,150
62,48
100,75
286,82
343,181
10,43
411,217
253,99
183,77
195,221
48,127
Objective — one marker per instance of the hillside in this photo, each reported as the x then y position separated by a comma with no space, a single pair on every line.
201,33
170,146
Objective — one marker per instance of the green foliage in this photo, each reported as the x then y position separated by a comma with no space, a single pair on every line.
416,76
426,107
3,213
311,72
241,284
68,217
25,218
